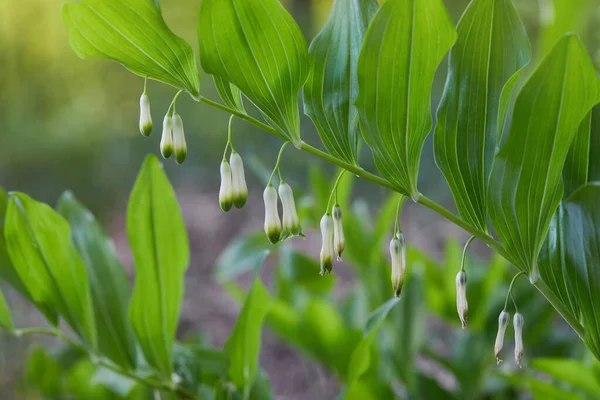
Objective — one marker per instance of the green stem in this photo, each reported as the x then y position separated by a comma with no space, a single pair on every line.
337,182
512,282
160,385
277,165
423,200
229,142
464,254
173,104
397,227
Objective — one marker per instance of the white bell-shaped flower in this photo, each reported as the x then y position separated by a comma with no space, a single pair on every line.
226,190
179,143
339,242
291,222
503,321
461,297
145,116
166,140
398,256
518,322
272,221
240,190
326,257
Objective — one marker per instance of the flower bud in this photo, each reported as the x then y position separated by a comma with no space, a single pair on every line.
339,242
503,320
240,190
398,255
226,190
461,297
518,322
179,144
326,258
291,222
166,141
272,222
145,117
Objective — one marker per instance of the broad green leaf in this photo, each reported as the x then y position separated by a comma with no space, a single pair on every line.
230,94
492,46
108,282
6,321
581,224
39,243
594,159
133,33
526,184
361,357
8,272
243,346
575,373
257,46
243,254
403,47
332,86
160,250
576,169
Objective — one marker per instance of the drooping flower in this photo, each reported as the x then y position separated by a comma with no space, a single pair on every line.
166,140
326,256
226,190
503,321
240,189
518,322
398,256
291,222
339,242
145,116
272,221
461,297
179,143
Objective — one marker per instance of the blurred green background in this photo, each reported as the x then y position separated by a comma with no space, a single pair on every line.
66,123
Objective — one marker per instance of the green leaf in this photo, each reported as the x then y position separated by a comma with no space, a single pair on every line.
581,224
230,94
332,86
303,271
6,321
361,357
575,373
160,250
243,346
243,254
526,186
108,282
39,243
8,272
594,158
257,46
492,46
576,169
404,45
558,17
133,33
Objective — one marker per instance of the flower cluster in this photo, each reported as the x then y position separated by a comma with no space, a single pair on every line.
518,322
233,191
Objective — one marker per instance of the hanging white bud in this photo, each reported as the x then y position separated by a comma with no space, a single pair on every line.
339,242
326,258
145,117
503,321
461,297
518,322
226,190
398,256
272,222
179,144
166,141
240,190
291,222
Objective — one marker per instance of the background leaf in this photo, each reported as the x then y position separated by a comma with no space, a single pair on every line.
491,47
241,256
108,282
404,45
526,186
230,94
269,64
39,244
160,250
133,33
332,86
6,321
243,346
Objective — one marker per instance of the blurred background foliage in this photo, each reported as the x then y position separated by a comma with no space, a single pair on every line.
72,124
